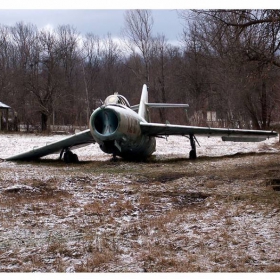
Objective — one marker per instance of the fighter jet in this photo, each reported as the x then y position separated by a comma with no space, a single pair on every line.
126,131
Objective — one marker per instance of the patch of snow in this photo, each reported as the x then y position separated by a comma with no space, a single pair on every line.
62,226
177,146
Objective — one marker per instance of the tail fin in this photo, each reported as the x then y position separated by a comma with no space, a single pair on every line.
143,108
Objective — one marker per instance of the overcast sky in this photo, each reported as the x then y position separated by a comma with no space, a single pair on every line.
99,22
101,17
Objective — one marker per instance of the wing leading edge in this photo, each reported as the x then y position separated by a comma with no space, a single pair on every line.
72,142
238,135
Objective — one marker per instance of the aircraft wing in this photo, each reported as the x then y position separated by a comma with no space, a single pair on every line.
72,142
237,135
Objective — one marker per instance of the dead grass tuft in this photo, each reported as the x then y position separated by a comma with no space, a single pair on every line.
219,215
94,208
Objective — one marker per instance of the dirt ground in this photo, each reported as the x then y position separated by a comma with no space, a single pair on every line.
168,214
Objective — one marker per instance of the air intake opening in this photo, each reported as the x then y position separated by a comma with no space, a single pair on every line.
106,122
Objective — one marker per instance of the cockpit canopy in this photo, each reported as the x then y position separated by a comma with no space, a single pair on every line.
116,99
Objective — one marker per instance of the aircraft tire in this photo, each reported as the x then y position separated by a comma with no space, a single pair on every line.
193,154
69,157
75,158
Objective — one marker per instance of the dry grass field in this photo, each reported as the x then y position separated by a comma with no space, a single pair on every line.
169,214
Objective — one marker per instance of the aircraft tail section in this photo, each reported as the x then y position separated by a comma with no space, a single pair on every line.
143,106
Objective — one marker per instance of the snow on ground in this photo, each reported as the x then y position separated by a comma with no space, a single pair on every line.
208,215
12,144
211,146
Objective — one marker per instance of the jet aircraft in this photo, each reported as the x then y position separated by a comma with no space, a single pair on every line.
126,131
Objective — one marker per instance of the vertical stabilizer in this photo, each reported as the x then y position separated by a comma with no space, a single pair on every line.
143,108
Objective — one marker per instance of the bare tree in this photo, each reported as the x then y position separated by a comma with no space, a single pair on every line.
24,38
69,55
6,51
49,76
111,59
56,76
259,30
159,72
245,47
195,74
91,68
138,30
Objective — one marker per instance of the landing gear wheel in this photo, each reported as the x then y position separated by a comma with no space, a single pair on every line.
114,159
69,157
193,154
75,158
193,150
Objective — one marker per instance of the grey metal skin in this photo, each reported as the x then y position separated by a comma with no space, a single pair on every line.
126,131
117,130
69,143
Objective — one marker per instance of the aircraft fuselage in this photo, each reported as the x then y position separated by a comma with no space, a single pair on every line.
116,128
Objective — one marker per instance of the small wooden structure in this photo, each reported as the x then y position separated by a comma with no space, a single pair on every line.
4,116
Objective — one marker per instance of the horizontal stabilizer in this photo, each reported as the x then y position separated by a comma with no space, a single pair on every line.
135,107
243,139
160,105
166,105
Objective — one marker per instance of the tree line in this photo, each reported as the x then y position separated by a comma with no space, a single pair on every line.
227,62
